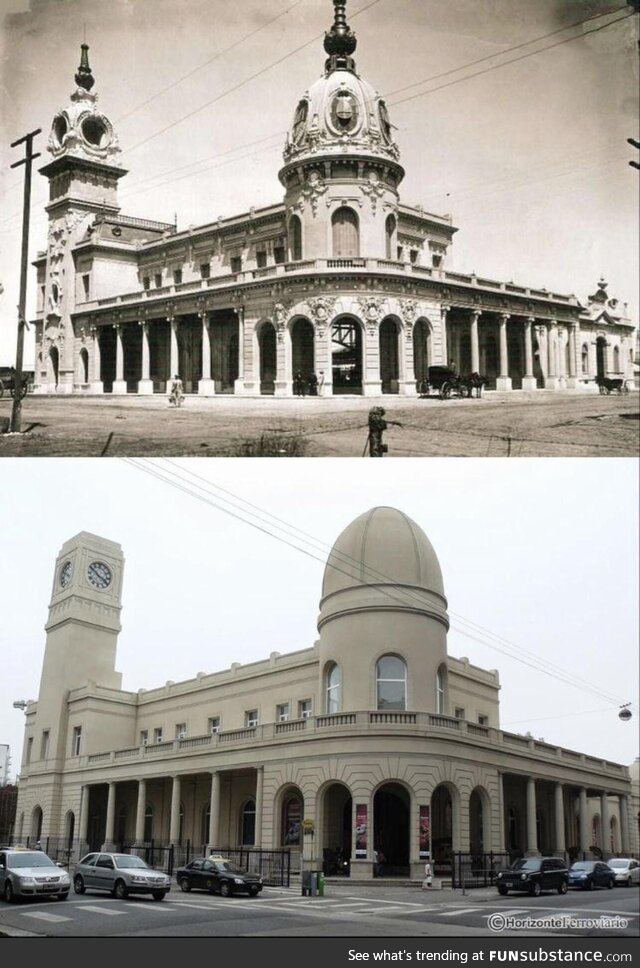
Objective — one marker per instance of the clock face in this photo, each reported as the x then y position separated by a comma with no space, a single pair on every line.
99,574
65,574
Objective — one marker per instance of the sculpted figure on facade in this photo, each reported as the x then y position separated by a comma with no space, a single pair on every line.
371,307
321,310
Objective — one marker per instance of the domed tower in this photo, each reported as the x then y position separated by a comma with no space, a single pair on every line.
383,619
341,165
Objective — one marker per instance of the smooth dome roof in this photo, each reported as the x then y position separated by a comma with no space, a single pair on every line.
382,546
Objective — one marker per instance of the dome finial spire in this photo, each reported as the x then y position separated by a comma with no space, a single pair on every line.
84,77
340,42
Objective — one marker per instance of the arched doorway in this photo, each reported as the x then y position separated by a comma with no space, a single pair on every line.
54,365
421,349
389,338
442,829
291,818
337,818
302,349
36,824
391,828
346,355
601,356
477,822
268,358
247,832
84,365
346,233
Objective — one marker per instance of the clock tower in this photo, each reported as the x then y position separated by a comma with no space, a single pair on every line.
82,631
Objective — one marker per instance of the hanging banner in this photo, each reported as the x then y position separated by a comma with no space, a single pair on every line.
361,830
425,832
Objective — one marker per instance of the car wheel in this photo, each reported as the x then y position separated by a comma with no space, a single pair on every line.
503,890
627,883
209,885
9,895
158,895
562,887
536,890
610,883
185,885
63,897
120,890
78,884
225,890
588,886
254,891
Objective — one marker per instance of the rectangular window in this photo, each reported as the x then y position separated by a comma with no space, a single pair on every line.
261,259
205,270
282,712
483,720
44,746
86,285
251,717
157,734
146,282
144,737
75,742
214,724
305,708
413,256
157,280
436,260
177,277
236,263
181,730
459,713
29,749
278,254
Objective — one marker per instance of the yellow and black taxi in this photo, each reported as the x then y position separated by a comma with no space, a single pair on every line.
218,875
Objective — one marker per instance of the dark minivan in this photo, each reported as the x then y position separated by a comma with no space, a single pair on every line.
533,875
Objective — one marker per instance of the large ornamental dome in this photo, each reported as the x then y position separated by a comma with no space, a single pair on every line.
382,547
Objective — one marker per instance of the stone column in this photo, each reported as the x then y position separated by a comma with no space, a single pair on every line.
604,824
110,826
572,379
624,824
532,835
239,383
444,349
174,829
96,385
173,350
561,845
551,382
371,382
119,384
561,366
323,361
140,811
259,788
84,817
504,380
214,807
582,813
206,386
475,343
284,381
529,381
145,385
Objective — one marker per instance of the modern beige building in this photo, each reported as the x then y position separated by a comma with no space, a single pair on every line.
339,277
372,738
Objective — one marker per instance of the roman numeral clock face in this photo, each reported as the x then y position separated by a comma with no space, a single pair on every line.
99,574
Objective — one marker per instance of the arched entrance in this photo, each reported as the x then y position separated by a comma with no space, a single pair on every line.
421,349
391,828
337,807
302,349
601,356
442,829
84,365
389,338
268,358
54,365
346,355
477,822
36,824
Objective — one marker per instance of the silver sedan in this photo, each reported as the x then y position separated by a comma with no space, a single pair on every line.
120,875
30,873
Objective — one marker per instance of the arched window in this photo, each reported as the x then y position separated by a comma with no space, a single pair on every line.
390,231
295,238
346,240
148,824
248,823
332,689
616,359
391,682
292,822
440,691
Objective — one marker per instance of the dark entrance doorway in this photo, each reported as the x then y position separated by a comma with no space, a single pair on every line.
223,334
346,356
190,353
420,350
97,825
54,362
389,363
442,830
132,355
159,354
601,356
391,829
107,357
336,830
268,359
302,349
476,824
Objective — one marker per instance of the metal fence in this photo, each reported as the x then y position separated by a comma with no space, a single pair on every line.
476,870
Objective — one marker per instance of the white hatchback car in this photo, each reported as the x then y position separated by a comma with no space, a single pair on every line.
626,869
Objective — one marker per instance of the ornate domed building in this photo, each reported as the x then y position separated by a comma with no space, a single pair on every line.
375,738
341,285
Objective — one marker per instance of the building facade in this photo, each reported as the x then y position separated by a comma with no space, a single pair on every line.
339,279
373,738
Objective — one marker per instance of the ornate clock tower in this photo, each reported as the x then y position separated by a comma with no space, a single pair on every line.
82,630
83,182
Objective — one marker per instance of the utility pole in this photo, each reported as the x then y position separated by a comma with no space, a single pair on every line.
16,412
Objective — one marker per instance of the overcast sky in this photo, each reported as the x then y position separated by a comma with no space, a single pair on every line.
542,552
530,159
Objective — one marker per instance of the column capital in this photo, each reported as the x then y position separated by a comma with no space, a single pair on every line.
445,308
530,320
143,322
553,323
475,313
172,319
204,316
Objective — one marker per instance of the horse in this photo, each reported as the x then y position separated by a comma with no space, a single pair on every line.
606,384
475,382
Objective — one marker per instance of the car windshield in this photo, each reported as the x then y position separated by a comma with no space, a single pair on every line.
619,863
127,861
30,859
525,864
230,868
583,865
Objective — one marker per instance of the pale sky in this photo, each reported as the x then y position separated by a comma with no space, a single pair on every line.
531,160
541,552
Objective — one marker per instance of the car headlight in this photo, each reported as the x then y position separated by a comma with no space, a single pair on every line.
138,879
499,875
259,880
523,877
238,880
26,880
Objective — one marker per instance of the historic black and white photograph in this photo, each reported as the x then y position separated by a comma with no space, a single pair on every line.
283,228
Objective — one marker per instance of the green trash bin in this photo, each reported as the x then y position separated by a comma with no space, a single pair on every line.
320,884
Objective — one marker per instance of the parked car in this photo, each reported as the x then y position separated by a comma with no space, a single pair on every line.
588,874
626,870
30,873
218,874
533,875
121,875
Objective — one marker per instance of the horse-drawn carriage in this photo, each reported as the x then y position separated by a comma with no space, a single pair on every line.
446,382
608,384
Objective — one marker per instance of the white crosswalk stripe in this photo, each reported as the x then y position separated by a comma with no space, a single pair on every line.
44,916
94,909
454,914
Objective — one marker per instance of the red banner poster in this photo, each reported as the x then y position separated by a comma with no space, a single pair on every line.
425,831
361,830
